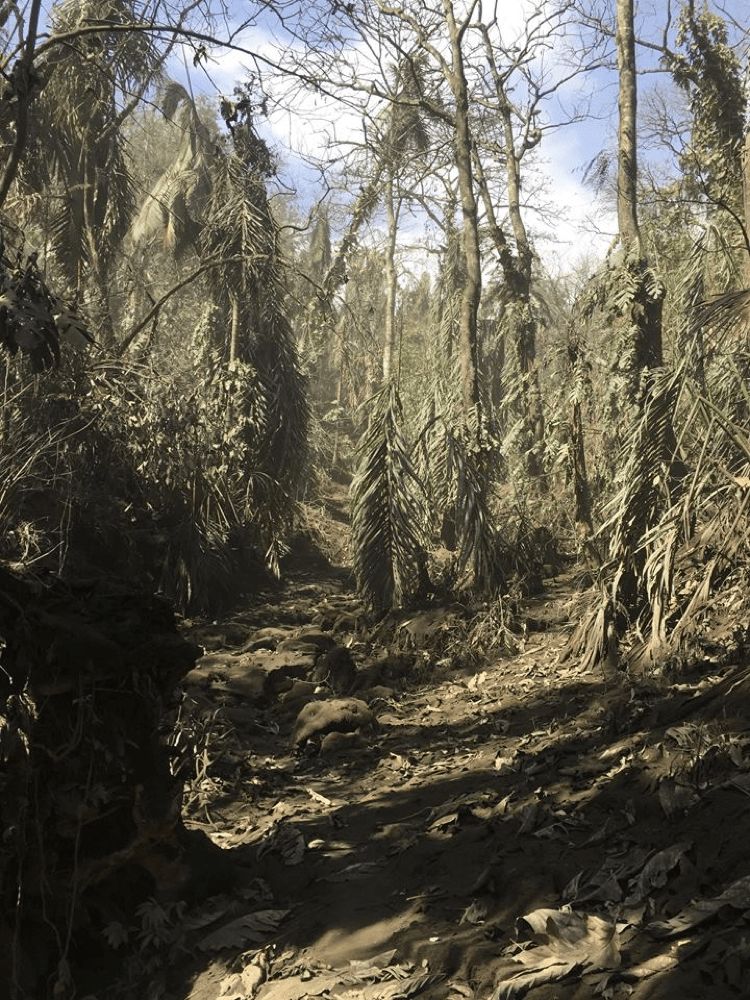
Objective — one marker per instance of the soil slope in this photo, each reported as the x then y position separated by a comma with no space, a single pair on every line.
510,825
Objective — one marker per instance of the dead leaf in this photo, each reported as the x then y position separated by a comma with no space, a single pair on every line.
474,914
252,928
230,988
285,839
657,964
737,896
675,797
212,910
400,990
603,886
381,961
296,987
506,765
562,935
522,982
617,990
363,869
444,822
255,974
656,871
318,797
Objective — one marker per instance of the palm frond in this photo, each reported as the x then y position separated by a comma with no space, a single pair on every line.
644,528
388,510
281,448
724,317
474,526
648,474
175,206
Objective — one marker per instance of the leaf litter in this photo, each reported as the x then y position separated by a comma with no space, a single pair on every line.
518,826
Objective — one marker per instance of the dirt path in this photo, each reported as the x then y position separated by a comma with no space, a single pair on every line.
495,788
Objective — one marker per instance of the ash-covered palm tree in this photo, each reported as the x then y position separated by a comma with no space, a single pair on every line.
240,231
211,202
402,138
75,156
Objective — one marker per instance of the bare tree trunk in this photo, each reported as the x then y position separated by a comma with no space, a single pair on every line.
627,162
746,204
517,272
468,352
391,282
645,310
234,334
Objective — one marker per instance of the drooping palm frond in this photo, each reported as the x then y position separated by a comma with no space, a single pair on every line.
240,230
281,448
638,575
431,449
238,227
76,147
648,476
388,510
176,205
403,126
725,317
474,526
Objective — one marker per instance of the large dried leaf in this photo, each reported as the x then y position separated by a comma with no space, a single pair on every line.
252,928
737,896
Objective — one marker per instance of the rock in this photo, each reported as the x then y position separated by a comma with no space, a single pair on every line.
264,638
249,683
277,667
389,669
241,716
336,669
337,743
298,691
379,692
298,645
323,640
294,700
340,715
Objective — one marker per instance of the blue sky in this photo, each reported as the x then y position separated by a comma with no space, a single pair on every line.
567,222
566,219
567,226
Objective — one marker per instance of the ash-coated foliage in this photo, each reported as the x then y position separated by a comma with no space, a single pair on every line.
388,510
200,446
677,558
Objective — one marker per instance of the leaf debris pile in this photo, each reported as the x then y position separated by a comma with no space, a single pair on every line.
514,825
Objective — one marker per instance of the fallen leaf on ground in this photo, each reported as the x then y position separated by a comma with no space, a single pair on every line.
296,987
476,913
252,928
230,988
255,974
362,869
381,961
318,797
286,840
521,982
655,872
399,990
562,935
736,896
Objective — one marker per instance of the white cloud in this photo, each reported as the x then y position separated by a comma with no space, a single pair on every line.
312,126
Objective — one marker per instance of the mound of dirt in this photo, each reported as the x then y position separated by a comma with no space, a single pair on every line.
513,826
